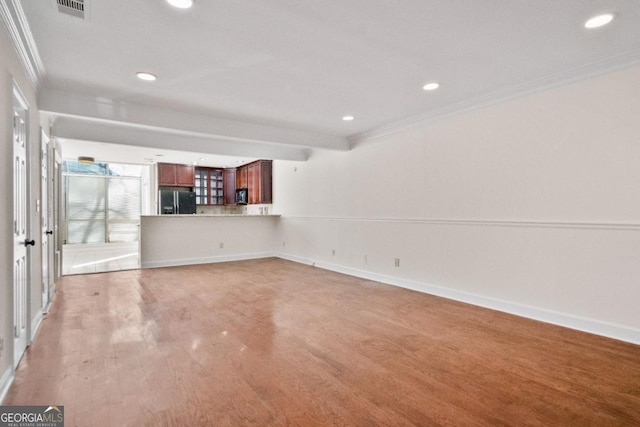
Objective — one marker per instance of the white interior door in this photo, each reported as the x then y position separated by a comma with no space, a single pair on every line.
56,190
44,217
20,239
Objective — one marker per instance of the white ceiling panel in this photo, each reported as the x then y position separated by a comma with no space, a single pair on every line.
302,65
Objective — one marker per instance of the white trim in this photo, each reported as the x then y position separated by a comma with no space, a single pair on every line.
479,222
206,260
21,37
5,383
17,93
592,326
32,48
46,308
610,330
551,81
35,325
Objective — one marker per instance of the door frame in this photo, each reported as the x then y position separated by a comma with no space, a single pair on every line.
46,225
20,103
56,204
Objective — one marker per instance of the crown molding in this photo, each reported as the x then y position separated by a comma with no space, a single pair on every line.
18,28
603,66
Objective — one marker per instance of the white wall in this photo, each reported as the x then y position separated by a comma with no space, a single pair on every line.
191,239
11,70
530,206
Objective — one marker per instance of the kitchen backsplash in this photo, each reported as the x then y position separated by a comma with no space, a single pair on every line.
236,210
221,210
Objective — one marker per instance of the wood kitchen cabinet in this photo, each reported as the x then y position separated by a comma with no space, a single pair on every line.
242,177
209,186
256,177
230,186
170,174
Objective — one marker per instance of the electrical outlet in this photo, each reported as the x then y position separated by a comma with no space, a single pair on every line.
221,245
284,243
1,346
333,252
397,262
366,260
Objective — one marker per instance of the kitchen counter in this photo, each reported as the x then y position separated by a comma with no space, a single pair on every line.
167,240
211,215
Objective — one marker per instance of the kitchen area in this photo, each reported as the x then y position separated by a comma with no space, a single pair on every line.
190,189
209,214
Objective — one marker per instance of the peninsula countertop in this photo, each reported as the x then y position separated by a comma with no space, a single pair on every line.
211,216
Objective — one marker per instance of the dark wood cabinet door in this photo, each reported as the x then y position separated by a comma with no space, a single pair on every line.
254,183
242,177
266,181
185,175
229,186
175,175
166,174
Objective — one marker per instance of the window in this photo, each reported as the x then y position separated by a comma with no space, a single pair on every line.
103,202
209,186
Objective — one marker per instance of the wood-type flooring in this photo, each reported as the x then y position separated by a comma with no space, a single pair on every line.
274,343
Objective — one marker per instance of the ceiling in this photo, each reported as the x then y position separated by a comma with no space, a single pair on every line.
274,78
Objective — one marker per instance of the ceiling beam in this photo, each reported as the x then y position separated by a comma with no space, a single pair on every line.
85,117
71,127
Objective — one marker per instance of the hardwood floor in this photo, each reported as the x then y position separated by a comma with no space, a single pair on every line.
271,342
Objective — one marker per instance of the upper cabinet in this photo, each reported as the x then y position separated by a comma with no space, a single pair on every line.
209,186
175,175
242,177
256,178
230,186
217,186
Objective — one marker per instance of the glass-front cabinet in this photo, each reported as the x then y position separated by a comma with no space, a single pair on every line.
209,186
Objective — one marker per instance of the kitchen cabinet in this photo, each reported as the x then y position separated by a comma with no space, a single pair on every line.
170,174
230,186
209,186
242,177
256,177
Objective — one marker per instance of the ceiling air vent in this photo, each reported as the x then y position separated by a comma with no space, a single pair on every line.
71,7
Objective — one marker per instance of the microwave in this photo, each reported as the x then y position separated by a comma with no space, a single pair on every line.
242,196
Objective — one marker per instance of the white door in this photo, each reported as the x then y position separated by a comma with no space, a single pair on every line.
44,217
56,190
20,240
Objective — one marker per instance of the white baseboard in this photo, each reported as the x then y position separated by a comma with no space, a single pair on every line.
5,383
35,325
619,332
206,260
597,327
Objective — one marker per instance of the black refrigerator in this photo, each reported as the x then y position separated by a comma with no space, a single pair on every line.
177,202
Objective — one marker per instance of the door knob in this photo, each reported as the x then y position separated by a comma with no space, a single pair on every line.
30,242
48,232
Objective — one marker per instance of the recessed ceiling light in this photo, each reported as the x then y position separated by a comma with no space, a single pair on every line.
431,86
599,21
348,118
182,4
142,75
